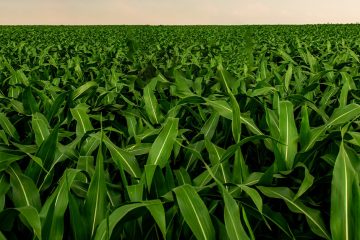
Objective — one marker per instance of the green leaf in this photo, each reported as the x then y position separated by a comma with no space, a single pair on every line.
353,55
55,107
24,191
150,171
288,136
135,192
233,148
83,90
315,135
47,149
76,219
288,75
306,183
182,85
95,203
205,177
240,169
262,91
340,115
272,121
224,109
107,225
210,126
194,211
46,153
233,224
7,157
123,158
305,133
151,104
254,195
344,114
4,187
215,155
161,149
139,149
29,101
3,137
32,218
131,124
2,237
182,176
343,98
60,204
236,119
90,145
40,127
83,121
345,198
221,107
193,150
278,219
8,126
158,213
247,224
249,123
286,56
312,216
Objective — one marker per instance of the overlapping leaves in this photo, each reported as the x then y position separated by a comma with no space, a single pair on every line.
240,139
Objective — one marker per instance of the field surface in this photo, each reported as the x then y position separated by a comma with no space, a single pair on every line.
196,132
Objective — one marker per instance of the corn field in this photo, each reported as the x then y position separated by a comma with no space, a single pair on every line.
183,132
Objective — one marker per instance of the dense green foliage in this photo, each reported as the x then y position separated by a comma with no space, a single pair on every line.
211,132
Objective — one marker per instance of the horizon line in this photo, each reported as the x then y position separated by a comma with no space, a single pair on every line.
201,24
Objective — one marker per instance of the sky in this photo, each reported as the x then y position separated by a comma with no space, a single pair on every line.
177,12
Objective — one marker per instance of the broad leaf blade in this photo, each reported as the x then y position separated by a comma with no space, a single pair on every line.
107,225
41,127
288,135
123,158
8,126
24,191
312,216
60,205
194,212
95,204
345,198
83,121
158,213
32,217
151,104
161,149
233,224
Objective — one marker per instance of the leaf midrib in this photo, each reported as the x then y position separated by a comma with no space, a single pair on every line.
152,107
124,160
330,123
162,147
82,122
197,217
324,127
22,186
304,212
96,202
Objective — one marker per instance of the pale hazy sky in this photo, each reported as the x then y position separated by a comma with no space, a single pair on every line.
178,11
